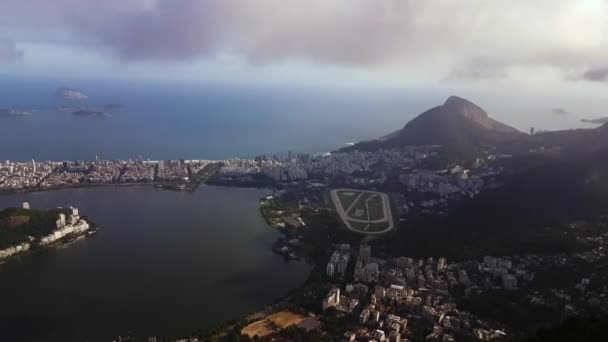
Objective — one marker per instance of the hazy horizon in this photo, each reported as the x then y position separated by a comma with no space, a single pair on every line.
540,64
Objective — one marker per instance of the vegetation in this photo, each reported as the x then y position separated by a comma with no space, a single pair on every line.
249,181
17,224
577,330
297,334
512,308
529,214
207,172
462,135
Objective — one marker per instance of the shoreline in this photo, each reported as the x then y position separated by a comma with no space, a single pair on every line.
57,244
283,302
78,186
201,177
157,185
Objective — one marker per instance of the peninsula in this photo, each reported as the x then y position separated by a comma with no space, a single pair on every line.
23,229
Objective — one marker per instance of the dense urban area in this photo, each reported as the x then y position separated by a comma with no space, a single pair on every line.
469,243
352,294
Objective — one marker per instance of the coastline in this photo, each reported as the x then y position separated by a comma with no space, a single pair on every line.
37,248
158,185
284,302
76,186
191,184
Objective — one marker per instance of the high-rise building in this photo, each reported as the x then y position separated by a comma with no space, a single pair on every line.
332,299
394,336
364,316
380,292
331,269
343,264
441,263
365,253
509,282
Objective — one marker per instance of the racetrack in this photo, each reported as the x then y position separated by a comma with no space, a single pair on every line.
369,213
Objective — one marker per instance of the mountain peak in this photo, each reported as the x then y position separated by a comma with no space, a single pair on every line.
452,100
466,108
455,105
459,125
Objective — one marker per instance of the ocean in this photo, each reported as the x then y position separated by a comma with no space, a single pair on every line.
166,263
174,120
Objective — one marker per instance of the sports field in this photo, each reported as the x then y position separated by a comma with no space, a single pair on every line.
281,319
367,212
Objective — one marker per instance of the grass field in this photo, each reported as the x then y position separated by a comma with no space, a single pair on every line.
367,212
375,208
359,205
282,320
348,197
358,225
377,227
369,206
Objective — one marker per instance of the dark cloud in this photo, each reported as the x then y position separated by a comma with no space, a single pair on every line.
175,30
560,111
350,32
596,121
9,51
596,75
341,32
445,34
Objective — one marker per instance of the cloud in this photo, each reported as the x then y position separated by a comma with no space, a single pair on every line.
596,75
9,51
479,68
565,35
596,121
350,32
560,111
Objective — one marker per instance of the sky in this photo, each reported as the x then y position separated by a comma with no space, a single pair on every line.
555,51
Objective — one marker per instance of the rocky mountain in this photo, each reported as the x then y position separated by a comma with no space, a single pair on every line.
577,143
460,126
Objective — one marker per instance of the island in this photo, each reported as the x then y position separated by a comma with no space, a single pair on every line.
12,113
89,112
24,229
71,94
